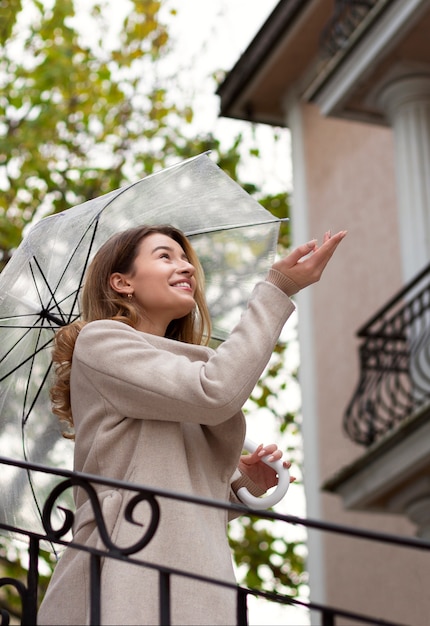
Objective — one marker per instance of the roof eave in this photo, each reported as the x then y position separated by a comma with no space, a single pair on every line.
255,57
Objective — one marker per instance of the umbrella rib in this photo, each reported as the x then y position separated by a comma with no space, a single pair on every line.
25,360
26,414
29,328
16,317
45,310
94,224
216,229
24,419
84,266
54,303
35,326
53,318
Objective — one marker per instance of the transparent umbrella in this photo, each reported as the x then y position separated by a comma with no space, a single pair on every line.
235,239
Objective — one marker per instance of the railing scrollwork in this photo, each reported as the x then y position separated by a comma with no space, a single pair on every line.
53,534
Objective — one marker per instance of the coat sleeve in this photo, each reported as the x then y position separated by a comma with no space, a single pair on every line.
145,379
239,480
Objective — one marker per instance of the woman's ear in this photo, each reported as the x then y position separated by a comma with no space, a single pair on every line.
119,283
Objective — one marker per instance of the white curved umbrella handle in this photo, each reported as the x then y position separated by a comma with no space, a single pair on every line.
281,489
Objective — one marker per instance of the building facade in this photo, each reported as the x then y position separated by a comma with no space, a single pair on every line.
351,81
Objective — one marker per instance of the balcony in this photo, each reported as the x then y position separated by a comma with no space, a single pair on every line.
389,412
60,536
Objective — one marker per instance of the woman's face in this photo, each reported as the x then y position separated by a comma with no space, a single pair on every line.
162,283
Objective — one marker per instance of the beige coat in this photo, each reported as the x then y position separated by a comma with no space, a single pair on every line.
158,412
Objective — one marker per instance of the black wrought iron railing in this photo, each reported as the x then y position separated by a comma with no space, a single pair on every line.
28,592
394,358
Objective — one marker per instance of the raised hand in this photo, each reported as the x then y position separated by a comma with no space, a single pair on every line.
305,265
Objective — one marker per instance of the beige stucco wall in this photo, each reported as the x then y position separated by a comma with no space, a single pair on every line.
350,184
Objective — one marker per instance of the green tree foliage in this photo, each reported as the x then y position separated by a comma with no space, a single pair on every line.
267,553
78,118
81,115
268,561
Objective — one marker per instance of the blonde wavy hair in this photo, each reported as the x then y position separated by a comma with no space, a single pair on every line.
100,301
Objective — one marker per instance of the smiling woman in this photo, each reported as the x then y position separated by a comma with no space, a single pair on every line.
150,403
133,275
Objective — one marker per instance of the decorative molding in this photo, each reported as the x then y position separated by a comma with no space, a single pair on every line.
338,85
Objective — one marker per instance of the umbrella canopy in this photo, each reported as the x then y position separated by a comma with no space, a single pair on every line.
233,235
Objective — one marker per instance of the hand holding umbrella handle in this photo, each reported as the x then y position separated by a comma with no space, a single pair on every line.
281,489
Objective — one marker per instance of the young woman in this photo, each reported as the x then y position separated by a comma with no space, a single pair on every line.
150,404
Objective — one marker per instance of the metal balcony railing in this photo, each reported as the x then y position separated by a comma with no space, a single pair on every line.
394,358
28,593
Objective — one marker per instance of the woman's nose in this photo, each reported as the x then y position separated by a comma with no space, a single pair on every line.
186,268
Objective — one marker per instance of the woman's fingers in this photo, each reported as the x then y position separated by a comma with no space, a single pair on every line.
271,451
327,236
322,255
306,271
298,253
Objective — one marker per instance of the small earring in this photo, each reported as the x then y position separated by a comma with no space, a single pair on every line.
130,296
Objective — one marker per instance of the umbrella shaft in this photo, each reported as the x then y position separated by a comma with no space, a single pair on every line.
52,318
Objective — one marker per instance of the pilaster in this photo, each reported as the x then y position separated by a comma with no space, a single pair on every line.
406,103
